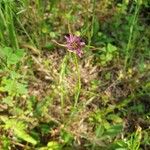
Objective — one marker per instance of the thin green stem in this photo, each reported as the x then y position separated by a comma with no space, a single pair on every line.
61,80
30,39
90,33
78,86
131,31
10,25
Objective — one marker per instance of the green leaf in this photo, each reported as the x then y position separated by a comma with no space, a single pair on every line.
114,118
6,51
67,137
11,56
18,129
49,46
95,26
8,86
5,142
99,131
21,89
111,48
108,57
13,87
53,145
114,130
8,100
20,53
14,58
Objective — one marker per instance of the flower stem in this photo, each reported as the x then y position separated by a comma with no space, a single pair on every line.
58,43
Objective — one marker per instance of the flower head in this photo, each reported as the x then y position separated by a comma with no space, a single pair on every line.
75,44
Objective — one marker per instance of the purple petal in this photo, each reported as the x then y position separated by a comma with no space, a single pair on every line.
79,52
75,44
82,43
72,38
67,38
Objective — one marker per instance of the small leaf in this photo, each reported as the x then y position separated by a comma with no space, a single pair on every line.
6,52
49,46
114,118
111,48
67,137
20,53
21,89
11,56
53,145
8,100
13,59
114,130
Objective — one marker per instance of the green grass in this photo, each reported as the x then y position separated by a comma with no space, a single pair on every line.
129,50
51,99
7,23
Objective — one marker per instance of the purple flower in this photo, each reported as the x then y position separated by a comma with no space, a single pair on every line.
74,44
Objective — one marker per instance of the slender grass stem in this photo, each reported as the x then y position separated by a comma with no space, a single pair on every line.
30,39
131,31
78,86
10,25
90,33
61,80
2,26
